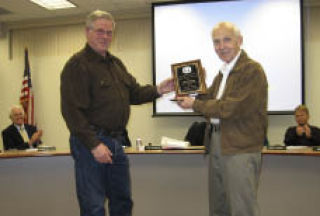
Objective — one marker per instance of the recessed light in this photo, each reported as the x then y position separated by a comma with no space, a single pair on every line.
54,4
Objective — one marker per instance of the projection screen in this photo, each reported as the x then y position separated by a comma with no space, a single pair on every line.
272,33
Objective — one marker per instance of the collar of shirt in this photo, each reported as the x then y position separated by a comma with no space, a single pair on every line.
225,70
94,56
227,67
19,127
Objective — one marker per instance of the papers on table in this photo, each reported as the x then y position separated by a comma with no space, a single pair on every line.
32,150
170,143
297,147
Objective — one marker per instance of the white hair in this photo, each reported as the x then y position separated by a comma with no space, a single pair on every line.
13,108
228,25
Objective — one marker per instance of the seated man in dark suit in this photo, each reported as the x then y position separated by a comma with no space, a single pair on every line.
303,134
19,135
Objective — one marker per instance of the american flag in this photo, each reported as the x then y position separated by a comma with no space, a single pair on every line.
26,97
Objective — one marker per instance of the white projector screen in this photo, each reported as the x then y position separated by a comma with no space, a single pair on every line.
272,35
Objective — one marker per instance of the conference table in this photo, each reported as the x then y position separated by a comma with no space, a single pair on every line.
164,182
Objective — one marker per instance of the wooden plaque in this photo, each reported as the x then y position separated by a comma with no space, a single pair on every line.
188,77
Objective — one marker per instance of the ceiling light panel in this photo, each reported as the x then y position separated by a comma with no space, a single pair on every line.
54,4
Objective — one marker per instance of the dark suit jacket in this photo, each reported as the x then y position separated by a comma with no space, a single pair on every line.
292,139
13,140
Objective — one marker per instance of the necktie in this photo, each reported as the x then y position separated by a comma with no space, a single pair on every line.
24,134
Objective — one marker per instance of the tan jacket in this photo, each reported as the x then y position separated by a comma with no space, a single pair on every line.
242,109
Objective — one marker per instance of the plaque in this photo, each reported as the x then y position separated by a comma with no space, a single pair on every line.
188,78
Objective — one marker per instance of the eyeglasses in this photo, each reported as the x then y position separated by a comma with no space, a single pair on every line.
17,114
101,32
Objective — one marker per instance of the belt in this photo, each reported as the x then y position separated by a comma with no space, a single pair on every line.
216,127
113,133
106,132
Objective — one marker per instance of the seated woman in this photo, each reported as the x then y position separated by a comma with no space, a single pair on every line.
303,134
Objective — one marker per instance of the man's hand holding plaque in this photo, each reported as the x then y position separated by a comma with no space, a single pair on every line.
189,78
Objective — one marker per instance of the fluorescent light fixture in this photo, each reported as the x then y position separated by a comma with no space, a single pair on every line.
54,4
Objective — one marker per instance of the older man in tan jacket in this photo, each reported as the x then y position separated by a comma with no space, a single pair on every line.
236,104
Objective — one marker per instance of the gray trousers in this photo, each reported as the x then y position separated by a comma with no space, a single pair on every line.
233,181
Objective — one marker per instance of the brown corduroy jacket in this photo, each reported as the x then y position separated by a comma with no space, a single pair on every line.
242,109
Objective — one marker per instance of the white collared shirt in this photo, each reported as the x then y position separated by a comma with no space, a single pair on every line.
225,70
19,127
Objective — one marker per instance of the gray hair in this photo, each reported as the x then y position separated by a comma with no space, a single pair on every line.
15,107
99,14
228,25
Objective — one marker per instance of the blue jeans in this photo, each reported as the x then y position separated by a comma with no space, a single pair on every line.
96,181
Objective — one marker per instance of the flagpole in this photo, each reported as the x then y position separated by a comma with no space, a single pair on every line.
27,97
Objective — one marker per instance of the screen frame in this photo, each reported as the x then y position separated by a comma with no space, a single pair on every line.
168,114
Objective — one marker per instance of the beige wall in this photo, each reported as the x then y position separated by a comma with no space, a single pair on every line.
50,47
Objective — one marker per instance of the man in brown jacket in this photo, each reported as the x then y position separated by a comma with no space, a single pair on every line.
236,104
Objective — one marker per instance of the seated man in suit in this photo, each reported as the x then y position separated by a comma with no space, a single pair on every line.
303,134
19,135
